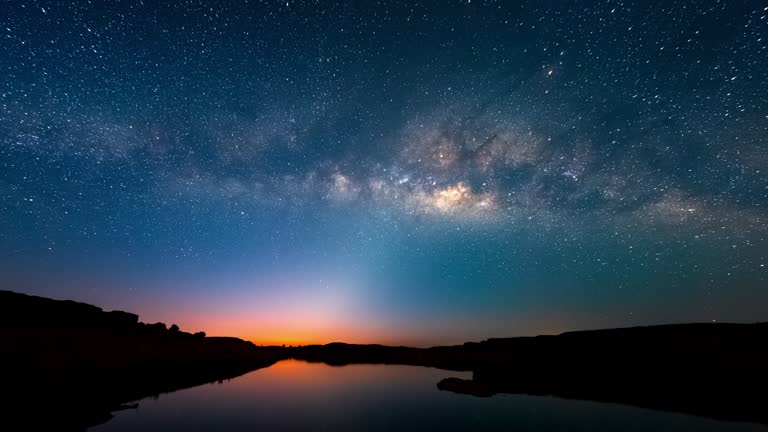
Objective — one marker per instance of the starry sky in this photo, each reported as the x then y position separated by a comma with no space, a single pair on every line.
394,172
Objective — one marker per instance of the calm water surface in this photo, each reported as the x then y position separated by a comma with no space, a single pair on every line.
296,396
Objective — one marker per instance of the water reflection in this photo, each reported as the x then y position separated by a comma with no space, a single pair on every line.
294,395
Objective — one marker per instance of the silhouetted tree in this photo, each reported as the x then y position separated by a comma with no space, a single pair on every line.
174,328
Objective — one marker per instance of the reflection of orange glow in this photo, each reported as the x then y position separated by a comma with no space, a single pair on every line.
295,369
298,379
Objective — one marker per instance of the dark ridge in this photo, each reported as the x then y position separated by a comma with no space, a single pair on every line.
714,370
68,365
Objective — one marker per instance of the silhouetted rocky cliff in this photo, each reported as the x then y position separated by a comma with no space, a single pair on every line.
66,365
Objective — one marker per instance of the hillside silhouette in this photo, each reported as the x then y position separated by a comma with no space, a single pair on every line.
68,365
717,370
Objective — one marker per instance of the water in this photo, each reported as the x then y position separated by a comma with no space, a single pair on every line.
296,396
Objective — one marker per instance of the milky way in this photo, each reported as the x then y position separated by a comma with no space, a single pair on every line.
420,172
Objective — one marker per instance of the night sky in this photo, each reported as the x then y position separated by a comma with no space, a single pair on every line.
410,172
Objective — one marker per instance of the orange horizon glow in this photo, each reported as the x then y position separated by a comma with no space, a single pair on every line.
278,329
305,333
319,321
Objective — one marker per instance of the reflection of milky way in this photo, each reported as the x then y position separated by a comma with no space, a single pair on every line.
454,159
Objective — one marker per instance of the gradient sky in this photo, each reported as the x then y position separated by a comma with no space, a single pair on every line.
410,172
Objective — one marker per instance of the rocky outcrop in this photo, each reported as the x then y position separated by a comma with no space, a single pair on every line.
76,363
